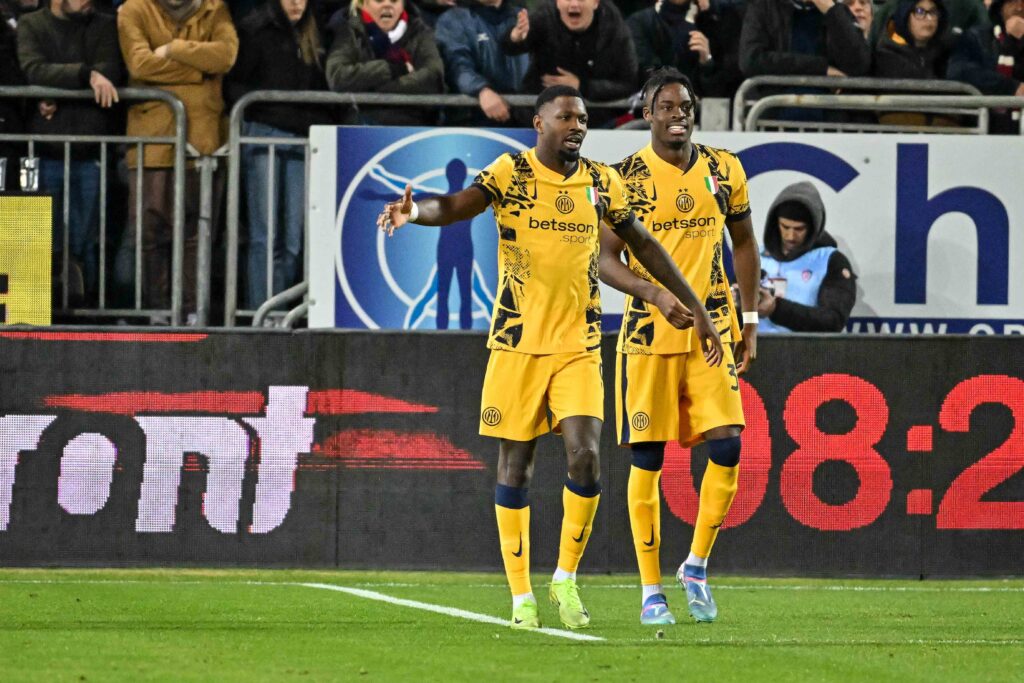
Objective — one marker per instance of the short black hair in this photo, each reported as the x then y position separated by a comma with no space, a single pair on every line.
658,79
554,92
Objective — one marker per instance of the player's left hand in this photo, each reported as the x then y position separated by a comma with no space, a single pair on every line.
746,349
710,342
396,214
678,315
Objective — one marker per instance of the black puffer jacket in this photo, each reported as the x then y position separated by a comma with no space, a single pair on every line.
602,56
269,59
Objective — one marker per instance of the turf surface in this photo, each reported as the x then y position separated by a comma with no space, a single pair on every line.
212,625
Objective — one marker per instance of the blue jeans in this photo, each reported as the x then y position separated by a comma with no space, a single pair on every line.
289,208
83,212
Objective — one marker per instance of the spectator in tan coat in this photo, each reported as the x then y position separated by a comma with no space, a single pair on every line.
184,47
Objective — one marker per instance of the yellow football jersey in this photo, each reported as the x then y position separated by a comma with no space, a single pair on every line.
686,211
548,299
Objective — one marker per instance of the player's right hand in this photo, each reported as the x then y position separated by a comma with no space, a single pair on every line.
396,214
678,315
710,342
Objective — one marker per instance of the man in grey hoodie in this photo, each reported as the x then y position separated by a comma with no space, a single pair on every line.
808,285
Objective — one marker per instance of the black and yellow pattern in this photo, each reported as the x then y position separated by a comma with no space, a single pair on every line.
688,217
548,297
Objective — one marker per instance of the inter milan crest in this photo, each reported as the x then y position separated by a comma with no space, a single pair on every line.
684,202
564,203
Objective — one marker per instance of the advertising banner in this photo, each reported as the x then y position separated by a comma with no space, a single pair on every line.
862,456
25,256
931,224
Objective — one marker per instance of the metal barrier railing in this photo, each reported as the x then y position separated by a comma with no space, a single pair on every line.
941,104
743,98
177,141
236,140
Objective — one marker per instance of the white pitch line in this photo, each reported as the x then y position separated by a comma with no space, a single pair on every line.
441,609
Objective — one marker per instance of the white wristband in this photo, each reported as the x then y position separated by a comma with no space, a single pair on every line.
415,213
750,317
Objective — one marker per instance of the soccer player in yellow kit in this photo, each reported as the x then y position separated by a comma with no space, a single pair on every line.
545,335
685,194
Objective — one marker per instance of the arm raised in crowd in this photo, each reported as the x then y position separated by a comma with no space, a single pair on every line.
845,46
142,62
213,56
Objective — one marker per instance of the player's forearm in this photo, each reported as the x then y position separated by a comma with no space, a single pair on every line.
747,263
441,211
659,264
614,273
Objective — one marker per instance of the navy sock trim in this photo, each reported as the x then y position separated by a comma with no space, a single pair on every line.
583,491
510,497
649,455
725,452
624,385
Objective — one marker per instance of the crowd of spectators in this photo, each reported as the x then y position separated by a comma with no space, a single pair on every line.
210,54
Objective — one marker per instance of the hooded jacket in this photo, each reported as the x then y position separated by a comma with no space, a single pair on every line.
898,57
269,59
837,292
470,42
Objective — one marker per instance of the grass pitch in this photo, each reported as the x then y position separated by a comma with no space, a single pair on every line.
196,625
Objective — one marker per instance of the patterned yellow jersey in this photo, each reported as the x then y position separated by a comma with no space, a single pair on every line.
548,299
686,211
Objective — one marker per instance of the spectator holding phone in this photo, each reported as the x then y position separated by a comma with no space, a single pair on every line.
808,284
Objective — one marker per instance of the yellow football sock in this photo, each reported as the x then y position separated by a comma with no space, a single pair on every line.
577,523
717,489
514,534
644,503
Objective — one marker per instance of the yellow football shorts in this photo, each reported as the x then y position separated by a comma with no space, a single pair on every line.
675,397
520,389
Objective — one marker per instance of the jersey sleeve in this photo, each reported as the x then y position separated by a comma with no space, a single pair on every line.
739,200
618,210
493,181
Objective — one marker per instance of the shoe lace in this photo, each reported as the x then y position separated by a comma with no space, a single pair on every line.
572,596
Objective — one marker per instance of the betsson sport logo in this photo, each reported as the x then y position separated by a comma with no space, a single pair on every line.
394,283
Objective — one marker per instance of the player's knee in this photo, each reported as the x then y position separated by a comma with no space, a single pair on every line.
725,452
584,465
649,456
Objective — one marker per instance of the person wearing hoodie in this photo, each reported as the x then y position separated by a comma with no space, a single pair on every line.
694,37
470,42
383,48
991,58
280,48
812,283
917,45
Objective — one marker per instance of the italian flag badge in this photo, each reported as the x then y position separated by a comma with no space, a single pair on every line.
592,194
712,183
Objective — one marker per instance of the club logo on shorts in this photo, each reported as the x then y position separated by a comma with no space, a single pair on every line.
684,203
640,421
491,416
564,203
